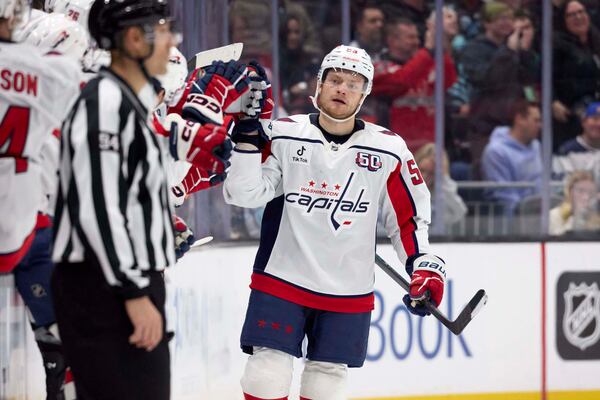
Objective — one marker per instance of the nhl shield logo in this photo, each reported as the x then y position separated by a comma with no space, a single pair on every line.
581,319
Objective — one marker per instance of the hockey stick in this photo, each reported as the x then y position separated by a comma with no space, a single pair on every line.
465,316
201,242
223,53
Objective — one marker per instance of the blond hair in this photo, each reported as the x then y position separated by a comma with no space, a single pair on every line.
427,151
566,208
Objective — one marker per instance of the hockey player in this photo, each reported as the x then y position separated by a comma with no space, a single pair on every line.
113,221
36,90
328,176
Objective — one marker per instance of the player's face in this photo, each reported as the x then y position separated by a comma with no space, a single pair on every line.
341,93
164,39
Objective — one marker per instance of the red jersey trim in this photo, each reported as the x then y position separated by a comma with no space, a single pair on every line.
303,297
9,261
405,211
43,221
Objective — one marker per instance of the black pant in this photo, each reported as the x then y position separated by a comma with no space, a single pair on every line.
94,328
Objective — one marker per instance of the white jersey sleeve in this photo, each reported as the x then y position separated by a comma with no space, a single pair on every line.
50,155
406,207
250,184
36,93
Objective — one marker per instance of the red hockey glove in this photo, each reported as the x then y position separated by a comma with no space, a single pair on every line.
196,179
427,283
184,237
223,82
205,146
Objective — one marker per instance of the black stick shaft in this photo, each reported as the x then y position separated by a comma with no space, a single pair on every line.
392,273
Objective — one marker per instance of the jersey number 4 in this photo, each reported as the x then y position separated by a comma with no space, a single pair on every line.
14,129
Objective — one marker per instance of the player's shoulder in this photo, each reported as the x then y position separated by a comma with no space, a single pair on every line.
57,68
383,138
293,126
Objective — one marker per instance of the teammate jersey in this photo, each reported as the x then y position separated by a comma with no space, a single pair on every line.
317,245
36,92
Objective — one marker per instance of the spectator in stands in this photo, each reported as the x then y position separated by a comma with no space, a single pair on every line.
415,10
297,65
406,76
583,152
369,31
476,56
513,155
454,206
576,70
579,211
250,23
512,73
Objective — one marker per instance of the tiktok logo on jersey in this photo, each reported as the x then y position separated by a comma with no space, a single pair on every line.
332,199
372,162
301,154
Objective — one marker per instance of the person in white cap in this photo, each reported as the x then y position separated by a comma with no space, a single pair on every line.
326,178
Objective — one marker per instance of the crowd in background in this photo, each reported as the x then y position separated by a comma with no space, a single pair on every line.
492,78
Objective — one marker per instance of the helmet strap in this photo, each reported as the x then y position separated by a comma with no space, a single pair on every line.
338,120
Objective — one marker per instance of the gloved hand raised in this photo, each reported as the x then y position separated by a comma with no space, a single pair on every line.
214,90
259,111
205,146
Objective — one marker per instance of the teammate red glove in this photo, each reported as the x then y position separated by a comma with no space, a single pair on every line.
205,146
184,237
224,82
427,283
196,179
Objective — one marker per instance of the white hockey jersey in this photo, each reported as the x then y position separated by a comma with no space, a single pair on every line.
317,245
36,92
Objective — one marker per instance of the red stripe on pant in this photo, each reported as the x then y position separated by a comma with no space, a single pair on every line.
10,260
250,397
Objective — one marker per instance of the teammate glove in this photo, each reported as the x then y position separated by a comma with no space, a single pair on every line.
428,275
195,180
184,237
225,83
205,146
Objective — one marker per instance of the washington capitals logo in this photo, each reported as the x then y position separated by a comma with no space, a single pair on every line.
333,200
372,162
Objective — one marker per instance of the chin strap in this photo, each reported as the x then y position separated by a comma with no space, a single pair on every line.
338,120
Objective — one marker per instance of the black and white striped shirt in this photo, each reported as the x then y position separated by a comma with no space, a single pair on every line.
112,204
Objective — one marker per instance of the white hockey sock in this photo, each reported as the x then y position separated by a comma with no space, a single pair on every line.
268,374
323,381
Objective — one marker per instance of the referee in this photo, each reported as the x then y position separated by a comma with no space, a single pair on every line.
114,233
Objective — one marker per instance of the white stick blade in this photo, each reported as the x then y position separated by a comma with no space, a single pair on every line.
224,53
201,242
